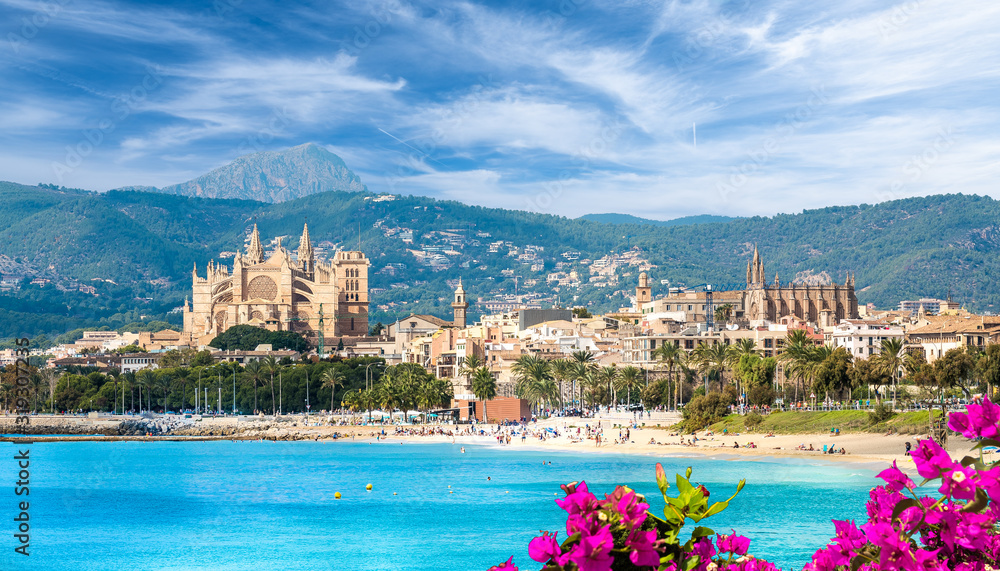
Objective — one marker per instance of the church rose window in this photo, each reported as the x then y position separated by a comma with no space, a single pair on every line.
262,287
257,315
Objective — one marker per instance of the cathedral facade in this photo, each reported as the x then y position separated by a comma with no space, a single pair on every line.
824,305
282,293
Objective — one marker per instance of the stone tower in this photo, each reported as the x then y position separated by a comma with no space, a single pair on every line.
460,305
643,293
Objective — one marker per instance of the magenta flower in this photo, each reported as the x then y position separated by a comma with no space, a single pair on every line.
505,566
895,479
732,543
593,552
632,512
704,549
849,537
973,531
546,548
578,501
989,480
931,459
643,546
881,503
894,548
979,422
959,483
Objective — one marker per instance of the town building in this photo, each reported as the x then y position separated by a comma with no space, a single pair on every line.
281,293
863,338
929,306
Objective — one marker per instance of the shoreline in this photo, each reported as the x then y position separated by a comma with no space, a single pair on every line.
876,450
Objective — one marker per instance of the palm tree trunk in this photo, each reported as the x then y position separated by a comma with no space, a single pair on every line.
273,402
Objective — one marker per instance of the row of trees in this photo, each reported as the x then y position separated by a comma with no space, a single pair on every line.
269,385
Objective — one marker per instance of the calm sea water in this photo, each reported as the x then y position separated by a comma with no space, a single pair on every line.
265,505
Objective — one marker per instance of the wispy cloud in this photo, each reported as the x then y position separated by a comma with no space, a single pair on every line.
527,106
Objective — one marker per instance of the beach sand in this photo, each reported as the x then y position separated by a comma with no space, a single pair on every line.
874,449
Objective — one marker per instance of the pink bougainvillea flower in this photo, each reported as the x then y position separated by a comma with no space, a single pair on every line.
632,512
979,422
593,552
643,546
848,535
546,548
894,549
505,566
931,459
973,531
732,543
895,479
704,549
959,483
579,501
989,481
881,503
927,561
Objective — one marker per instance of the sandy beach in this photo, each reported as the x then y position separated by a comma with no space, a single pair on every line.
874,449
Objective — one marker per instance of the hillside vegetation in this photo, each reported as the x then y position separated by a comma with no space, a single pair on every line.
146,243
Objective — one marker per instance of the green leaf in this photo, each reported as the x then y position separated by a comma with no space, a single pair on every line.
986,442
976,505
902,505
700,532
716,508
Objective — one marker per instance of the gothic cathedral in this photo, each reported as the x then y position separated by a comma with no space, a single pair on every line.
280,293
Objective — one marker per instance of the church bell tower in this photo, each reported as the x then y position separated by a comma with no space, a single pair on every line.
460,305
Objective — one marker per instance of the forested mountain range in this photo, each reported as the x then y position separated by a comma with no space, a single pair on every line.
136,250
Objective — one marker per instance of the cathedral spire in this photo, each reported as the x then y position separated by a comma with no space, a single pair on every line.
255,252
305,253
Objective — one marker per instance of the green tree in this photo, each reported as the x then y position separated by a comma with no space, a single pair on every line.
484,386
331,379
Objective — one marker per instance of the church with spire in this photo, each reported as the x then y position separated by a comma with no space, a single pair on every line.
281,292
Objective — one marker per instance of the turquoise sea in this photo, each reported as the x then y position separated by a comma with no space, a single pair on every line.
270,505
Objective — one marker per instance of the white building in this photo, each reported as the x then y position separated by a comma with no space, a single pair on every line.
861,338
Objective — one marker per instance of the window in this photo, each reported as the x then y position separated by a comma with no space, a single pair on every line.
690,307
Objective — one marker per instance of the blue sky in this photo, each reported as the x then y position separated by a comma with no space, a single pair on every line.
565,107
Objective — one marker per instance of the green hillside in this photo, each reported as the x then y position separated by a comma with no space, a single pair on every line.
146,244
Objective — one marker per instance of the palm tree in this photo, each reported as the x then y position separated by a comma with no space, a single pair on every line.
182,374
484,386
535,381
36,384
331,378
629,379
270,366
891,360
608,375
469,366
164,381
670,355
795,356
128,379
145,379
562,370
52,379
254,371
713,359
584,362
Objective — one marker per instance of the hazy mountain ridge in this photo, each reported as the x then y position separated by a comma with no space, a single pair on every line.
616,218
270,176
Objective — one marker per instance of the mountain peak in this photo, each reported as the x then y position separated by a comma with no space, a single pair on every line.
274,176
